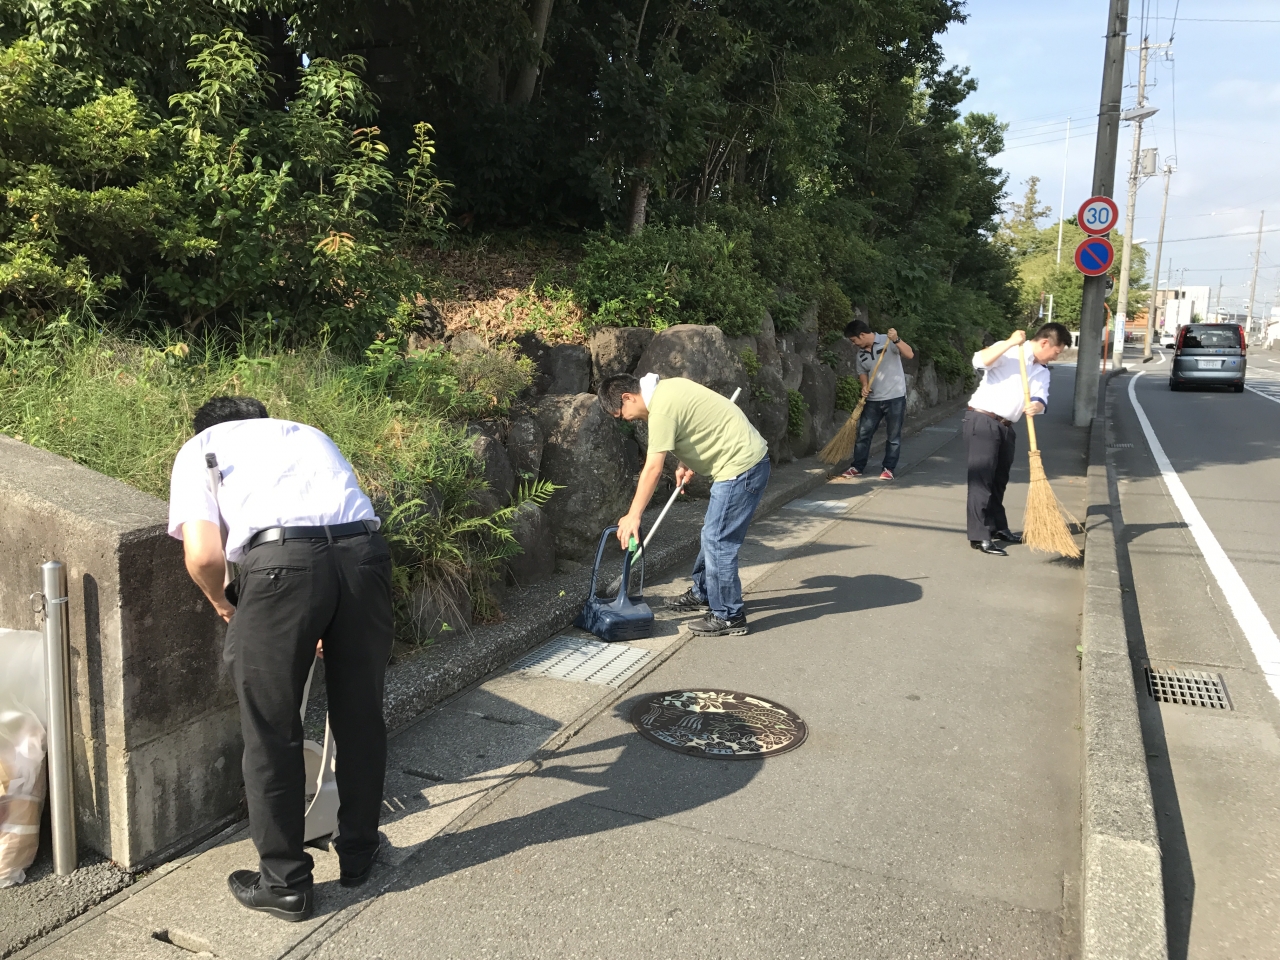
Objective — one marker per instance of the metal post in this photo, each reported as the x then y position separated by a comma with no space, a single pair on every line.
1062,204
1155,274
1104,180
1253,284
57,685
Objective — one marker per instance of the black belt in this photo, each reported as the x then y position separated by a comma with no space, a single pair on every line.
988,413
337,531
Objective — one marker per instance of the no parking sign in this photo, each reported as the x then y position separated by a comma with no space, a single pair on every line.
1094,256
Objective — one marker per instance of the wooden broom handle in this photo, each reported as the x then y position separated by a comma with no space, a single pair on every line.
876,368
1026,393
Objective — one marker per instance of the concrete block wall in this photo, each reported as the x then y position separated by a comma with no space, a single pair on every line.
156,731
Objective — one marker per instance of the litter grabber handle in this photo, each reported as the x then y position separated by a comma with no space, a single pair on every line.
627,559
1026,394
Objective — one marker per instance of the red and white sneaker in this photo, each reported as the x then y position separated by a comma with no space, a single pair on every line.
851,474
886,475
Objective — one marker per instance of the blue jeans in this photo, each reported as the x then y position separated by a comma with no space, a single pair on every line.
892,412
715,573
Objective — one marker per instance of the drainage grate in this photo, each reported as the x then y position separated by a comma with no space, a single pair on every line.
829,507
1119,446
1188,687
576,658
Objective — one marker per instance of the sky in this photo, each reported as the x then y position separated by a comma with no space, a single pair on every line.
1039,62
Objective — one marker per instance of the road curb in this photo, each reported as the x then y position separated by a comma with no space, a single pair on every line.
1123,911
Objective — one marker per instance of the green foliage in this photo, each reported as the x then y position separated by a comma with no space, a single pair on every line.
797,410
669,275
229,213
124,408
848,392
750,362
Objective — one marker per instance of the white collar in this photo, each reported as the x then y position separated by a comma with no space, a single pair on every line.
648,383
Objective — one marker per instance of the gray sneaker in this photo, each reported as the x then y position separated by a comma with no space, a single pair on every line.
688,603
713,626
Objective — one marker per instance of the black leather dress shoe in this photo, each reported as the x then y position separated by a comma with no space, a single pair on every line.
988,546
1007,535
354,877
246,886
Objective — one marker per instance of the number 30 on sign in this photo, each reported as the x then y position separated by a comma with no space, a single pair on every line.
1098,215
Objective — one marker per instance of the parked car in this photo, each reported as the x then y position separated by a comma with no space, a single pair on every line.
1209,354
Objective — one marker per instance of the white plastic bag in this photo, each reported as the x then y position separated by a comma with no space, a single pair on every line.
22,751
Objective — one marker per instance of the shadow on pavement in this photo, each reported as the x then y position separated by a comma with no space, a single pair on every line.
827,595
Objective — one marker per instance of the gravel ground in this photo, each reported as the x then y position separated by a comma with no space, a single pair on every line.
46,901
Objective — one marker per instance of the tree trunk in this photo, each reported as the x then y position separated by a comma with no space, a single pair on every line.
639,202
491,82
528,78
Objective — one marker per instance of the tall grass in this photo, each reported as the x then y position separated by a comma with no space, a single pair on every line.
124,408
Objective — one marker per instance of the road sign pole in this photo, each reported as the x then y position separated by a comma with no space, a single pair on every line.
1104,180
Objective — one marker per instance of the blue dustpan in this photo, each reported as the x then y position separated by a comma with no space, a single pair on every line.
616,618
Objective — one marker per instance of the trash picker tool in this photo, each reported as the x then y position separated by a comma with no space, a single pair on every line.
617,581
842,443
1044,527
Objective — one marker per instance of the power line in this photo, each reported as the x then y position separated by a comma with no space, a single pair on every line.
1216,236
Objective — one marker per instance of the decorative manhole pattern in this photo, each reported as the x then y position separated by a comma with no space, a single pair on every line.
1191,688
718,724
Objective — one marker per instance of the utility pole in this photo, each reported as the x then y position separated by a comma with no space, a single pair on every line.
1094,300
1139,113
1062,204
1253,284
1155,274
1217,313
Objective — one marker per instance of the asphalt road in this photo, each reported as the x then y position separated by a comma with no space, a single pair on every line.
1193,605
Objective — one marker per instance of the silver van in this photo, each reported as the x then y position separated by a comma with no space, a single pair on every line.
1209,354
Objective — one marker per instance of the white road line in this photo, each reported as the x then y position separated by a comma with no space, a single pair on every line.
1254,625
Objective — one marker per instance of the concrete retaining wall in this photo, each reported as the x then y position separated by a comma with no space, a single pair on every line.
157,736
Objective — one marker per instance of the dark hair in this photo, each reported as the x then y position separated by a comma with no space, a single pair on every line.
610,392
225,409
856,328
1060,334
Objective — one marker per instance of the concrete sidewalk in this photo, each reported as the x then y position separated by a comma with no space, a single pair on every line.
933,811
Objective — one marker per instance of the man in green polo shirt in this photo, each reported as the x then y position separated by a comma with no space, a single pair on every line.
709,435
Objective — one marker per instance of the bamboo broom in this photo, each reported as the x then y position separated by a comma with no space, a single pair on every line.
842,443
1044,527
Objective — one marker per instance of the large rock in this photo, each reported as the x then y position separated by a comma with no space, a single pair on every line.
792,370
616,350
767,345
496,468
464,341
584,454
524,447
818,387
698,353
768,410
806,442
537,560
846,357
569,365
531,346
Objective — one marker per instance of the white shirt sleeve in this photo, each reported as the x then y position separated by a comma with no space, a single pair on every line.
189,495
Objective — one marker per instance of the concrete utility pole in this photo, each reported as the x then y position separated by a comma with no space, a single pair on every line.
1137,115
1217,313
1155,274
1253,284
1093,303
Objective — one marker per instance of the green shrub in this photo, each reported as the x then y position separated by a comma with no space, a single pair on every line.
750,362
672,274
124,408
229,214
848,392
797,410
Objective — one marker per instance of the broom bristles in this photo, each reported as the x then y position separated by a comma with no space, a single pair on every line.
1045,526
841,445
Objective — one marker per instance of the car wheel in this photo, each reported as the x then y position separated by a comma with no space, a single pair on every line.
1173,384
1238,388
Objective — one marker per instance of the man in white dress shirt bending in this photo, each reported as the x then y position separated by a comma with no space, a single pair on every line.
312,565
989,435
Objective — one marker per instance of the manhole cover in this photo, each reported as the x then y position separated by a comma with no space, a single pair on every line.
720,724
1188,687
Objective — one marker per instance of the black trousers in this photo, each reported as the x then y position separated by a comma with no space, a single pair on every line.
292,594
990,446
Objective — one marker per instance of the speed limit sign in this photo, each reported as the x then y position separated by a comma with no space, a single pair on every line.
1098,215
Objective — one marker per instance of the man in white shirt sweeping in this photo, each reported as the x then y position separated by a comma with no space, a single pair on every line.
312,565
989,435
